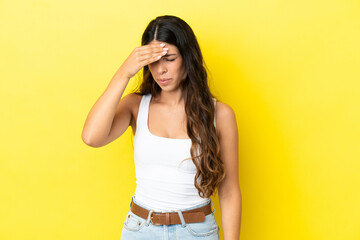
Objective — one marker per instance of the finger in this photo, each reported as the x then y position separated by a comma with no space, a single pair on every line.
153,46
151,60
151,55
156,50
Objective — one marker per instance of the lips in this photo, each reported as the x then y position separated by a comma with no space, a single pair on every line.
164,80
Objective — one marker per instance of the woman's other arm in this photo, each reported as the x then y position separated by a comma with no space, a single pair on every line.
229,189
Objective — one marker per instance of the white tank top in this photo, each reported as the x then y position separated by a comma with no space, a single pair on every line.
163,182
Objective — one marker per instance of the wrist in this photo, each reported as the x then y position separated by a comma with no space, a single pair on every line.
120,73
121,76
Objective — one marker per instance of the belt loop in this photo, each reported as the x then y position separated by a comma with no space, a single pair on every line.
132,199
167,220
212,204
183,223
149,217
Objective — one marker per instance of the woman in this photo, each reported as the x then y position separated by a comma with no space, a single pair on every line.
184,150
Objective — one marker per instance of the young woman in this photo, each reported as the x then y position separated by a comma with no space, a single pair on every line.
184,150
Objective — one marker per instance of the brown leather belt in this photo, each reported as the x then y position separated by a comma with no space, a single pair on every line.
168,218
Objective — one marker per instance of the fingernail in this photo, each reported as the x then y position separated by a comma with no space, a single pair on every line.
162,44
166,48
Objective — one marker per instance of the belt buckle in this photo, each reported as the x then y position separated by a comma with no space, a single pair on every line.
151,220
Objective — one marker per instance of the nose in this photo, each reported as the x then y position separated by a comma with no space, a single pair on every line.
161,68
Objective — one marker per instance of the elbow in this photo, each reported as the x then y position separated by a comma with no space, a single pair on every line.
89,141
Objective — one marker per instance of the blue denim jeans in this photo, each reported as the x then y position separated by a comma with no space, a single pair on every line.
137,228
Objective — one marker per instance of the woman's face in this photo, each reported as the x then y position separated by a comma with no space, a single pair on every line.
169,70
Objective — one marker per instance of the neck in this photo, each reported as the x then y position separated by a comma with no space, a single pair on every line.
173,98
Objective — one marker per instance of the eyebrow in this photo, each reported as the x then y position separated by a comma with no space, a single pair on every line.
168,55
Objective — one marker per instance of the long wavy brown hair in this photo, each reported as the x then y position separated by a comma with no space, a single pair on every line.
199,104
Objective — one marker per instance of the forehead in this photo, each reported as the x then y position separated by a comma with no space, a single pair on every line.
172,48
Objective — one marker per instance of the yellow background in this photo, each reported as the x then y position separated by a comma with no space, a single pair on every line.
289,69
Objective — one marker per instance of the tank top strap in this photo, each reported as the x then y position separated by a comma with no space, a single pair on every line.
143,113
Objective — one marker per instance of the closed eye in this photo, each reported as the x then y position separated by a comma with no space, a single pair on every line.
170,60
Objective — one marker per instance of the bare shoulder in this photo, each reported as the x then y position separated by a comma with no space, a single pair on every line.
132,102
225,118
224,112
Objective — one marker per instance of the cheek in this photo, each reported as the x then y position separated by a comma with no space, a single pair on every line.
151,67
177,66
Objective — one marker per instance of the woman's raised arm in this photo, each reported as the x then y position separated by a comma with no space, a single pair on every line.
110,116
